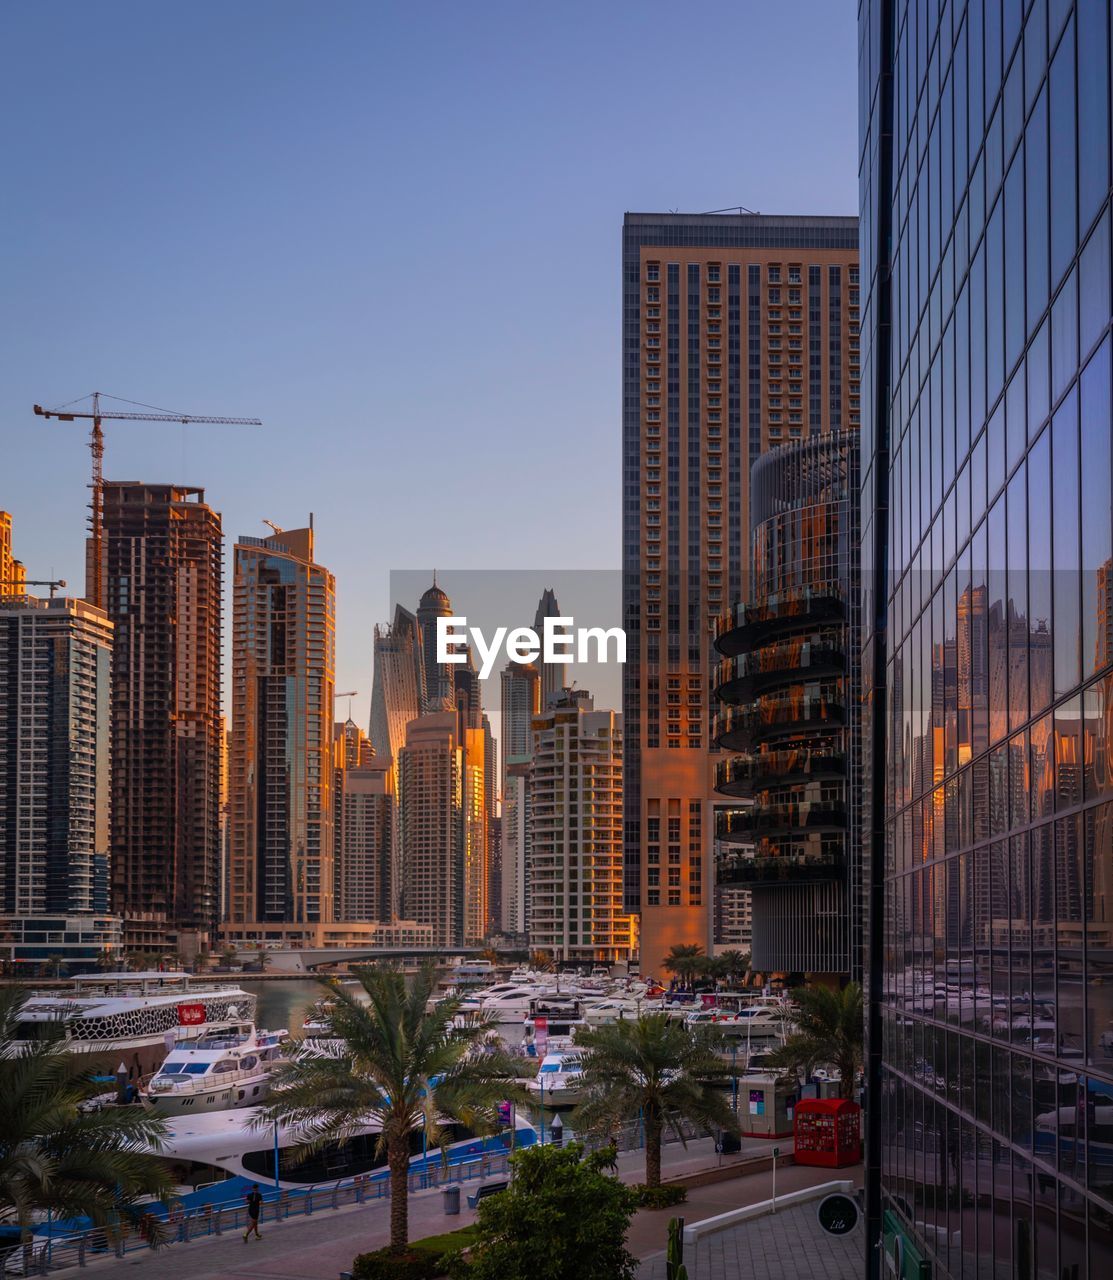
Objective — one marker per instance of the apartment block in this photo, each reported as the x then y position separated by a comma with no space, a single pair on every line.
740,332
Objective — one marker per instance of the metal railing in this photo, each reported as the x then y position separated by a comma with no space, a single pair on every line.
47,1254
44,1255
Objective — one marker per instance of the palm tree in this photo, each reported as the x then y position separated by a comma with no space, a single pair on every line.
829,1028
54,1157
491,954
54,964
685,960
736,964
655,1067
404,1067
542,961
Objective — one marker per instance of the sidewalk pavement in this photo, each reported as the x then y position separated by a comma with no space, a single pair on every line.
320,1246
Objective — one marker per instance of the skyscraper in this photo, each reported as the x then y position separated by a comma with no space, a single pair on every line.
575,814
55,800
515,844
12,572
281,775
788,682
987,473
439,687
520,701
443,815
397,698
739,332
364,804
163,555
551,673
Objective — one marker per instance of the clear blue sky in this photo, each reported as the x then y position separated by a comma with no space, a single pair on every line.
392,231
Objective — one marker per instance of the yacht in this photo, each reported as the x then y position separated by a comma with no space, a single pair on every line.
559,1080
228,1069
132,1019
510,1001
215,1156
599,1013
551,1022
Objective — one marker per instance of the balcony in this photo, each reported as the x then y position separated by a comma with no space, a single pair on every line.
780,870
740,728
740,679
742,775
743,826
745,626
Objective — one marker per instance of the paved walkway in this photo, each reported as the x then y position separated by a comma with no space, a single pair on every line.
322,1245
787,1245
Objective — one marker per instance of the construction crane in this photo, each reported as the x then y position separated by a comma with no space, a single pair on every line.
55,584
96,445
277,528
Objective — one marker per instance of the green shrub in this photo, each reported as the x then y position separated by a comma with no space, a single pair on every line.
561,1219
382,1264
658,1197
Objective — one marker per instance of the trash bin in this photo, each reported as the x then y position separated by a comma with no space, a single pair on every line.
728,1144
451,1200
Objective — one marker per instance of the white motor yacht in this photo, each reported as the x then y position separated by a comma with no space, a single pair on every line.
559,1080
230,1068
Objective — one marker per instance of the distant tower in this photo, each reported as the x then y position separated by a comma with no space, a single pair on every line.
12,572
363,797
443,817
575,869
164,569
55,680
281,775
552,674
438,676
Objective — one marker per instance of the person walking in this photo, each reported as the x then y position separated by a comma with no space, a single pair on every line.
254,1200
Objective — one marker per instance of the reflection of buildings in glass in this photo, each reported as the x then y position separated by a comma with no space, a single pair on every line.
789,687
986,511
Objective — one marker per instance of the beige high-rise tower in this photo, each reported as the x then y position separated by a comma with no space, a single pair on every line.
281,775
442,805
575,818
740,332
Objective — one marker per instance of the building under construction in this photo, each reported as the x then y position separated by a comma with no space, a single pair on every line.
163,559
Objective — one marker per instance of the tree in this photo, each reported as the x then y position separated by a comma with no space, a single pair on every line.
403,1067
264,958
491,954
542,961
685,960
656,1067
736,964
829,1028
97,1164
562,1218
228,954
55,964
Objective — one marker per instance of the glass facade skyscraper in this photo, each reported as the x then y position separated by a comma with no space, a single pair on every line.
988,667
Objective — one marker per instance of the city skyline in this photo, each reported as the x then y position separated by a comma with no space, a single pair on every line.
300,299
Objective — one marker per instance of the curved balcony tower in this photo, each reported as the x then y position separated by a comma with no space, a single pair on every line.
786,682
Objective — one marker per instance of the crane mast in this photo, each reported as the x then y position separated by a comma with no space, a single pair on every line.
96,447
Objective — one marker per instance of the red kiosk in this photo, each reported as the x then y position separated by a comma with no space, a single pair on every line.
828,1132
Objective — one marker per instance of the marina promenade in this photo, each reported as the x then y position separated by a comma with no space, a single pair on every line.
322,1245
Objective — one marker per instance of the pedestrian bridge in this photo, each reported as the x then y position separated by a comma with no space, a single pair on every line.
314,959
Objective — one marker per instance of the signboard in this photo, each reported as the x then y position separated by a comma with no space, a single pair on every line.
541,1035
902,1259
191,1015
838,1214
757,1102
